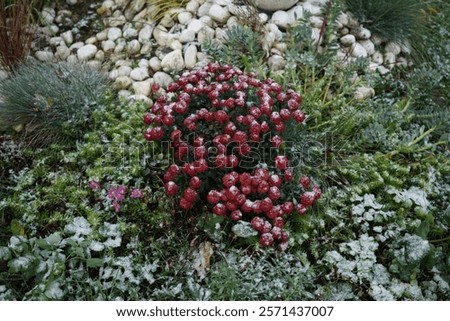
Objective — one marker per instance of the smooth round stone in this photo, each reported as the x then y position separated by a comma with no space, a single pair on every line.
195,25
100,55
44,56
162,79
114,34
203,10
72,59
363,93
56,41
187,36
133,47
313,9
274,5
130,33
102,35
139,74
155,64
122,82
184,17
145,33
173,61
358,51
377,58
68,37
142,87
363,34
86,52
389,59
143,63
219,14
190,56
368,45
282,19
94,64
108,46
276,62
347,40
62,52
124,71
393,47
192,6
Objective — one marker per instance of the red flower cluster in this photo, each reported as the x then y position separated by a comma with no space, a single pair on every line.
218,119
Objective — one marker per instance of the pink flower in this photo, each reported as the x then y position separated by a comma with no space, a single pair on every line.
136,193
93,185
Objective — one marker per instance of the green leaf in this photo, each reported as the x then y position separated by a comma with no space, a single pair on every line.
423,230
17,228
93,263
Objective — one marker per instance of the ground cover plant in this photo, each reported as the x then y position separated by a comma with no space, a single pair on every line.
152,202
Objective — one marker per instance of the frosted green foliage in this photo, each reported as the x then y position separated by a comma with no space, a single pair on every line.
409,251
79,228
244,229
413,195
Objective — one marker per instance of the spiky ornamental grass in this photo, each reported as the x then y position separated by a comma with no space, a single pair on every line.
50,103
161,7
402,21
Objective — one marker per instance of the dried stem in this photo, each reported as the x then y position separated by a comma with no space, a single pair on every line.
16,33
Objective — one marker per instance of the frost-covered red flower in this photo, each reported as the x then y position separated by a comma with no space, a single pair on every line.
220,124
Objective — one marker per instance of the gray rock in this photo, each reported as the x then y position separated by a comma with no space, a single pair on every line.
276,63
173,61
316,22
124,71
190,56
219,14
55,41
363,34
130,33
311,8
139,74
184,17
187,36
274,5
75,46
377,58
114,33
44,56
192,6
86,52
363,93
67,37
358,51
72,59
62,52
175,44
342,19
113,74
282,19
100,55
347,40
48,15
91,41
162,79
393,47
145,33
205,33
133,47
142,87
117,19
102,35
94,64
155,64
203,10
195,25
108,46
389,59
295,13
369,46
122,82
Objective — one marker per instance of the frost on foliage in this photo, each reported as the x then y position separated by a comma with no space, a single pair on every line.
411,249
413,195
96,246
202,258
368,209
21,263
380,293
244,229
80,226
54,291
359,260
111,231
